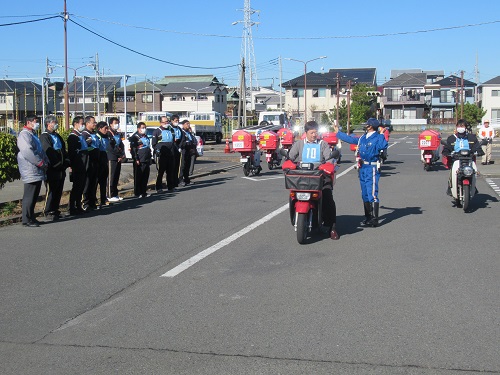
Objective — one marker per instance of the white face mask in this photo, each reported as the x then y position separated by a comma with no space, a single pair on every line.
116,126
56,126
461,130
142,131
81,128
36,126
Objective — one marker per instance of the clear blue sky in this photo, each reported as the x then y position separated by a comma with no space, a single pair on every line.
185,33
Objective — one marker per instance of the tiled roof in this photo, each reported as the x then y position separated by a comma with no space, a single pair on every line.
185,79
180,87
493,81
366,76
144,86
451,81
407,80
9,86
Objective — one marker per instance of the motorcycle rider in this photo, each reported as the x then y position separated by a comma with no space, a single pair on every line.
460,140
313,150
370,146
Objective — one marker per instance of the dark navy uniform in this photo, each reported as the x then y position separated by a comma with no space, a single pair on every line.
103,169
79,159
141,154
163,144
90,189
115,153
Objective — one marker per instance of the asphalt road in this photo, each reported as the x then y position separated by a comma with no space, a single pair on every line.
112,292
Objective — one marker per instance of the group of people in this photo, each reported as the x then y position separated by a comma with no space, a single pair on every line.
94,155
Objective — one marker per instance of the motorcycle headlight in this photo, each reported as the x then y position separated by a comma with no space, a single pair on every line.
468,171
303,196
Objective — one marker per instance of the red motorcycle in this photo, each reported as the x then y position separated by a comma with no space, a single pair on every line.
305,182
429,142
246,144
269,142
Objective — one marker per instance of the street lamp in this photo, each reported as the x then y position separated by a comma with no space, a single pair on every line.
305,80
196,91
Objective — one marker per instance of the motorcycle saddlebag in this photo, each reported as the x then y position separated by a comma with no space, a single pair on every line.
304,180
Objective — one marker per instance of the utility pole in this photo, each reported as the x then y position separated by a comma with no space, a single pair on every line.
97,84
461,94
456,100
338,97
348,106
281,88
242,97
66,94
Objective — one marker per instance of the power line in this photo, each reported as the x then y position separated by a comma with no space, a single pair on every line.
148,56
30,21
298,38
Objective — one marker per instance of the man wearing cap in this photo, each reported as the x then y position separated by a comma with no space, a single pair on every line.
486,135
370,145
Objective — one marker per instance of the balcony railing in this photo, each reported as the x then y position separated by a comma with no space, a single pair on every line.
403,100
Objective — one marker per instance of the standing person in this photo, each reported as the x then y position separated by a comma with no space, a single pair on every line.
103,171
79,159
313,150
141,154
386,133
179,144
188,152
370,146
90,189
163,145
195,156
486,135
54,147
116,155
33,163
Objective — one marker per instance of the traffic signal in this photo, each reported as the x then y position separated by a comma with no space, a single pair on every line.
373,93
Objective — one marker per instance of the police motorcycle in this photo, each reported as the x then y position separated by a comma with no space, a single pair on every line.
305,181
463,177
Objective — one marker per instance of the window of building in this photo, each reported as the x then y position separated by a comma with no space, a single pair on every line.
495,114
298,93
495,92
147,98
319,93
446,96
3,99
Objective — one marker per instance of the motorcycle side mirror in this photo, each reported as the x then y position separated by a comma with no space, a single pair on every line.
443,142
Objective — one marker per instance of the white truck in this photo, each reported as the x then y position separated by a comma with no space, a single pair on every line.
275,118
207,125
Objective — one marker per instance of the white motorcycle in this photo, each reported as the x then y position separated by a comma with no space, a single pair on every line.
463,178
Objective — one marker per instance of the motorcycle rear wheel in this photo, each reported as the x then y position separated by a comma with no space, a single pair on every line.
270,165
427,167
466,197
301,228
246,168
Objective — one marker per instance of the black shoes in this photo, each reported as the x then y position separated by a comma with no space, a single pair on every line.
31,224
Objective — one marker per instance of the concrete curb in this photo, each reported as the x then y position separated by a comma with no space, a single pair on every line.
126,192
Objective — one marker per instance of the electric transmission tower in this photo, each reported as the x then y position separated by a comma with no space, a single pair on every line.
247,51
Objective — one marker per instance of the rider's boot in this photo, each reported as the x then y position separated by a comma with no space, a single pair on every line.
368,213
374,220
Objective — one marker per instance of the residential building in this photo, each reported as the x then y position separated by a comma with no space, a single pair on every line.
144,96
404,99
321,91
185,94
266,99
447,94
19,99
489,99
91,96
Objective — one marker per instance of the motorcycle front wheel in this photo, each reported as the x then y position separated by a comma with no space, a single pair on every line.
466,197
301,228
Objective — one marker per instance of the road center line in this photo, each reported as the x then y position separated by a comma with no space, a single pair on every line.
212,249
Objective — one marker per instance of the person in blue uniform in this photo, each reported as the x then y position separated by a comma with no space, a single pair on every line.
188,151
90,189
103,169
313,150
370,146
163,145
141,155
116,155
54,147
79,159
179,141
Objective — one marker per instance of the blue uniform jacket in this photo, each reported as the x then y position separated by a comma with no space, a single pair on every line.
368,147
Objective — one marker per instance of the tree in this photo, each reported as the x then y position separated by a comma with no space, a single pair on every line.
9,170
472,113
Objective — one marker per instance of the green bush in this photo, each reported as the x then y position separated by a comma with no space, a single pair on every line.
9,170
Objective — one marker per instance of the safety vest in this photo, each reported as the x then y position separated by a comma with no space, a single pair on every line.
145,141
166,135
461,144
56,142
486,133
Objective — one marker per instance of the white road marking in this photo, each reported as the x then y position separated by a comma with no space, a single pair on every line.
494,186
263,178
212,249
